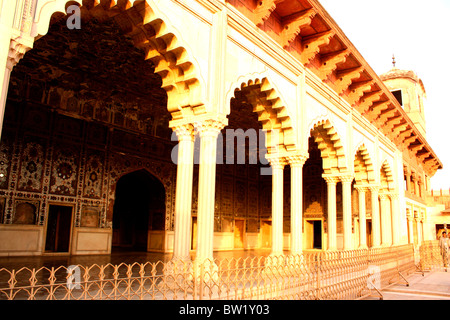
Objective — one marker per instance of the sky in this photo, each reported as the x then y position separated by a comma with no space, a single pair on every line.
418,34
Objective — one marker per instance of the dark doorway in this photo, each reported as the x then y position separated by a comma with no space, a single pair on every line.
317,241
58,228
139,208
369,233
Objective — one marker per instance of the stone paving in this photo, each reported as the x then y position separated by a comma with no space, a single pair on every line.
433,285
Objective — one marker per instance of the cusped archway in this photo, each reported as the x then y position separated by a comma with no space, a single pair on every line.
271,111
150,31
139,209
330,146
363,167
386,178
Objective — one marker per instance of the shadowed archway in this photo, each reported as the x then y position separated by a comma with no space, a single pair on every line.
138,209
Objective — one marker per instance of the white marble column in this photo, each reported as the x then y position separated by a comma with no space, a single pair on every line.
376,226
277,164
183,193
385,216
331,220
395,222
209,131
409,218
362,217
347,211
296,162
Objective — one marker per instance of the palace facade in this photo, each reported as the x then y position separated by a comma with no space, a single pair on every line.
119,118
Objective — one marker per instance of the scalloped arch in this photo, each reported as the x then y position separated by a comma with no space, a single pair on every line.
330,146
386,177
363,166
151,31
271,110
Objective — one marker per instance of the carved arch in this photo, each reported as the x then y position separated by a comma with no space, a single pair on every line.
386,177
363,166
330,146
149,30
272,113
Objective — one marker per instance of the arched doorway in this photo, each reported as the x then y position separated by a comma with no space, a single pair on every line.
139,208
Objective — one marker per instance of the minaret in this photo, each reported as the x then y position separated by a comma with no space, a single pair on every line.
410,92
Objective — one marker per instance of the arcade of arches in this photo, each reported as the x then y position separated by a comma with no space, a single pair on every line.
90,133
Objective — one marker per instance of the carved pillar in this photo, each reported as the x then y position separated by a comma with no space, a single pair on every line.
376,227
331,194
385,217
409,218
209,130
395,218
347,211
362,217
408,180
277,164
296,162
183,194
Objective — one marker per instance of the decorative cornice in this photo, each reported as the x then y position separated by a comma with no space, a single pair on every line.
17,49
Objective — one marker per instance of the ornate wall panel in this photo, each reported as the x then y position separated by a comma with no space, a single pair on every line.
63,180
32,164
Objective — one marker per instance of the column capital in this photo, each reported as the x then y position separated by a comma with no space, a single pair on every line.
184,132
362,188
393,196
297,160
331,179
373,188
384,196
276,161
347,178
210,126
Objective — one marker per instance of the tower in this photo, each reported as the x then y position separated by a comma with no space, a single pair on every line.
410,92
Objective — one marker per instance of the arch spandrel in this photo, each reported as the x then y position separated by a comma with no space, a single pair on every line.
151,31
271,110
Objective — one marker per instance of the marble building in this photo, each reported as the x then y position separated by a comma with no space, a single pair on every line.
95,116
